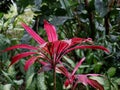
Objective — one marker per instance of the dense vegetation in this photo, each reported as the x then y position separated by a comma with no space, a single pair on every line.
96,19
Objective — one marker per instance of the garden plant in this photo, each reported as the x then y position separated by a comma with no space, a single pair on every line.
59,45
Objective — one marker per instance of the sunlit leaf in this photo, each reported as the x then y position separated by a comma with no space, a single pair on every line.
18,82
7,87
29,80
41,81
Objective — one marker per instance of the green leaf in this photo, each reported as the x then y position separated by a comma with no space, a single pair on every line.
1,15
111,71
29,80
7,76
97,67
41,81
99,79
1,86
18,82
101,8
69,61
7,87
118,81
60,20
11,71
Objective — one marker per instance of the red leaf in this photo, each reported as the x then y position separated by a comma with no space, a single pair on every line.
17,57
85,80
29,62
77,65
82,79
67,83
25,46
33,34
42,62
77,40
51,31
63,45
88,47
95,84
61,69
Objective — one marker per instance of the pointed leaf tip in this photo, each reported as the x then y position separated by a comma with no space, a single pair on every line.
17,57
33,33
78,65
24,46
45,21
51,31
29,62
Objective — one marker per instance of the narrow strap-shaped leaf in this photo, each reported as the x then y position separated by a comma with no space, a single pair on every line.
42,62
29,62
78,65
95,84
33,34
63,46
25,46
61,69
17,57
51,31
88,47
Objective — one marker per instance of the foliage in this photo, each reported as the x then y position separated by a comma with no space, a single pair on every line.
97,19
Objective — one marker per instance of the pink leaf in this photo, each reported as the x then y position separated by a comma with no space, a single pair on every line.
61,69
88,47
77,40
51,31
82,79
77,66
42,62
33,34
45,68
19,56
85,80
25,46
95,84
29,62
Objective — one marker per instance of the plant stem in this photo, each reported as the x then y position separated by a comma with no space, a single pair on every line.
107,26
91,19
54,77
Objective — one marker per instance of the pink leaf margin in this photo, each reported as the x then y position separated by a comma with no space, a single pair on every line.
17,57
51,31
33,34
29,62
24,46
78,65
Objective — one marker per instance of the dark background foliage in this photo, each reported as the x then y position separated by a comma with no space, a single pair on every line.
97,19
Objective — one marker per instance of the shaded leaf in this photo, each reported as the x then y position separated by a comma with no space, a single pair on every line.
101,8
60,20
111,71
29,80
